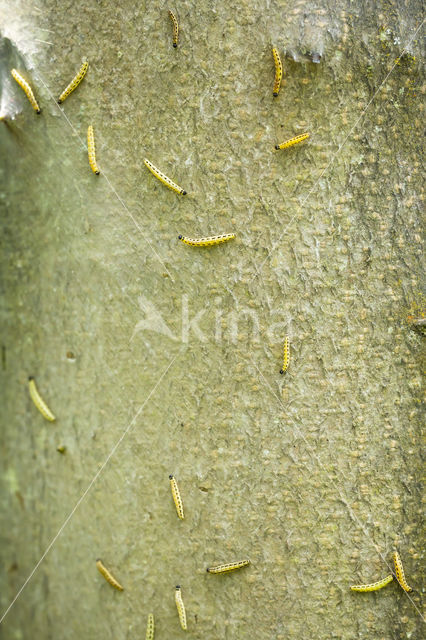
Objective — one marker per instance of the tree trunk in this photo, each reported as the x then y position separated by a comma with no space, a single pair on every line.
160,358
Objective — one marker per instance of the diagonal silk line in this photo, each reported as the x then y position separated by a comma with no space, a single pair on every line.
343,500
336,154
90,485
111,186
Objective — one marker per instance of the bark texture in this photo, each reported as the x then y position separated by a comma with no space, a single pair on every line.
167,357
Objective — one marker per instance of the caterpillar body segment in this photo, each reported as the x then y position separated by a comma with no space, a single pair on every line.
292,141
180,608
278,72
91,150
74,82
108,576
176,497
207,242
38,401
286,355
399,572
230,566
26,89
175,28
374,586
150,628
163,178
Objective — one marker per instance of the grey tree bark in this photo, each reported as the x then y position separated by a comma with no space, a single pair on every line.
159,358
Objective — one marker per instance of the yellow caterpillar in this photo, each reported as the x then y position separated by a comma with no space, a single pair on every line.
91,150
207,242
292,141
286,355
223,568
164,179
375,586
38,401
278,72
150,628
74,82
181,608
108,577
27,90
399,571
175,28
176,497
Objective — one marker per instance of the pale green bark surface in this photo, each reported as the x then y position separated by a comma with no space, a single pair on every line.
314,476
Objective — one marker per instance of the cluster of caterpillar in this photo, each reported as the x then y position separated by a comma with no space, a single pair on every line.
399,573
69,89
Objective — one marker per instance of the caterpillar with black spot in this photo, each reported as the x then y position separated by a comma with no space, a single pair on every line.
292,141
180,607
26,89
164,179
74,82
278,72
175,28
108,576
286,355
39,402
374,586
176,497
150,628
91,150
207,242
231,566
399,571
